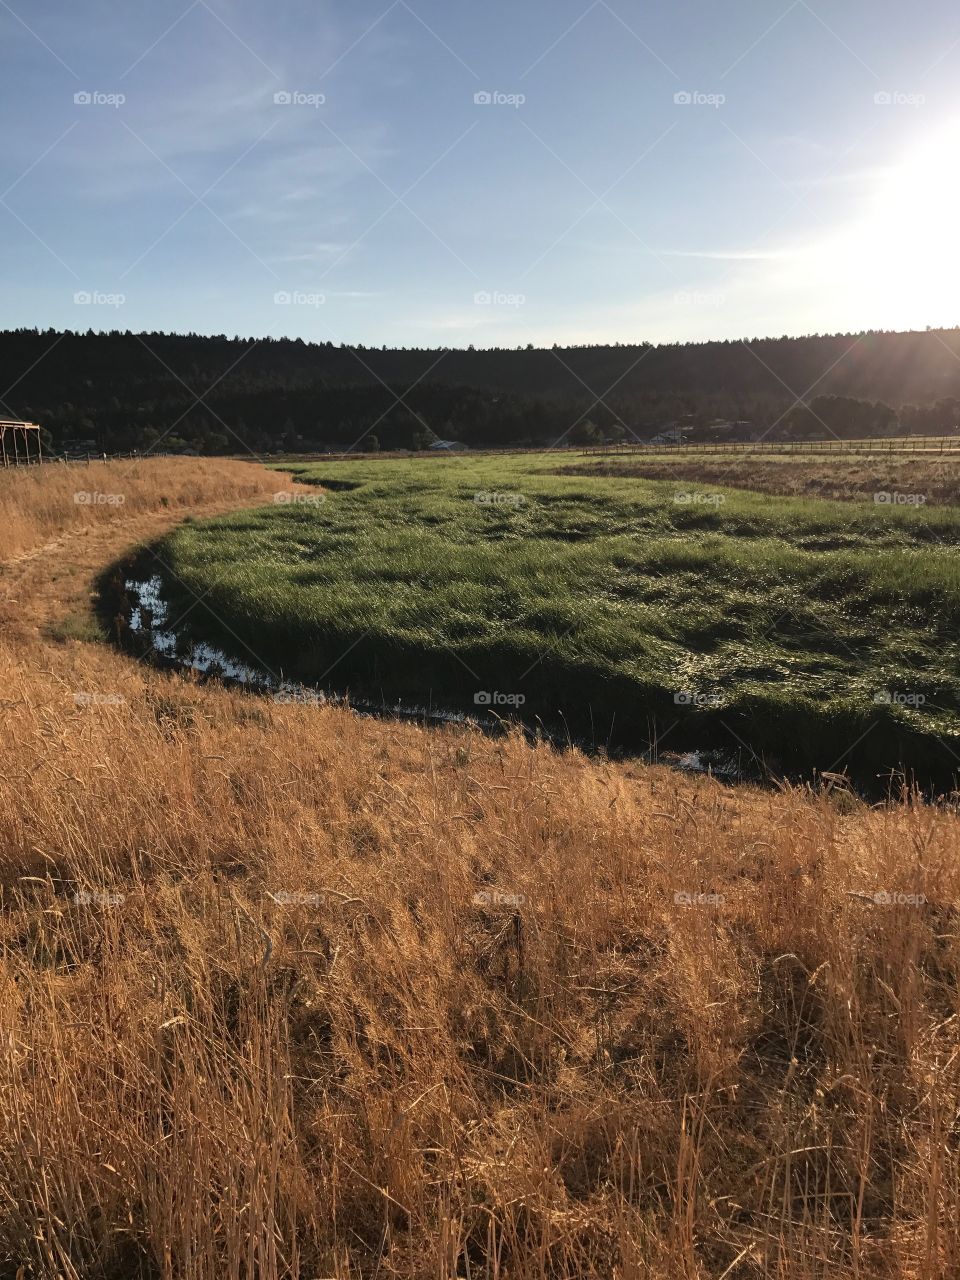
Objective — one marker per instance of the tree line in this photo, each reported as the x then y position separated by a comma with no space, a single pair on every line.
213,394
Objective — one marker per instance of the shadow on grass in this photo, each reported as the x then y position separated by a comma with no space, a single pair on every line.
778,733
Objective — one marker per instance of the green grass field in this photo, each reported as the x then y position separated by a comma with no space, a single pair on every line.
817,635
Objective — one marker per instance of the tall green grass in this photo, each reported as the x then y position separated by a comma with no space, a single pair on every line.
626,610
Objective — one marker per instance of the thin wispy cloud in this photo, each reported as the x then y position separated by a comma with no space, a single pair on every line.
730,255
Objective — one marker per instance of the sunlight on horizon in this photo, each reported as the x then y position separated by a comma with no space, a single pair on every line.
899,262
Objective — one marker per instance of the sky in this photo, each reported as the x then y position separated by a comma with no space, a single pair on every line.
441,173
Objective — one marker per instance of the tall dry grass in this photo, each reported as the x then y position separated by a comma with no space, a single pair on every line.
38,503
842,477
289,993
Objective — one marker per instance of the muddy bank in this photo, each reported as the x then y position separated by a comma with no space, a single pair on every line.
133,607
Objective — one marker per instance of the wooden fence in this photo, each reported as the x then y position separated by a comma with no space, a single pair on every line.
885,445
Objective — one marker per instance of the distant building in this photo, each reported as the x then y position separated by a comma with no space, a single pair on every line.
739,430
448,446
79,448
19,442
669,434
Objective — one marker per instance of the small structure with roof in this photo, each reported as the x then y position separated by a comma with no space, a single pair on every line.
19,443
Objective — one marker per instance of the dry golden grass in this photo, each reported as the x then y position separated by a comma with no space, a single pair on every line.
38,503
843,477
256,1023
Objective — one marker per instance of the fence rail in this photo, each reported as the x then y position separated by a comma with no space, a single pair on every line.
891,444
83,460
886,445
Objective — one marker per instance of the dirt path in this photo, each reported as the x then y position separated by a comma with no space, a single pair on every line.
43,587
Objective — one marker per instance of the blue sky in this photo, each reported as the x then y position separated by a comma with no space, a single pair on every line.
679,171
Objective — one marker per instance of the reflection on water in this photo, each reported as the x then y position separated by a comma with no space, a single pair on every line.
150,621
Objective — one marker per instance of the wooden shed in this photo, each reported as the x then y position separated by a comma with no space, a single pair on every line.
19,443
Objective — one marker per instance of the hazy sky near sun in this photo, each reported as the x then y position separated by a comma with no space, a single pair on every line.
683,170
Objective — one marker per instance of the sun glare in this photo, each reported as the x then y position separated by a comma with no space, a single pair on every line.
905,252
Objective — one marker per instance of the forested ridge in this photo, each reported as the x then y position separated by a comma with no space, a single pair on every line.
123,390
